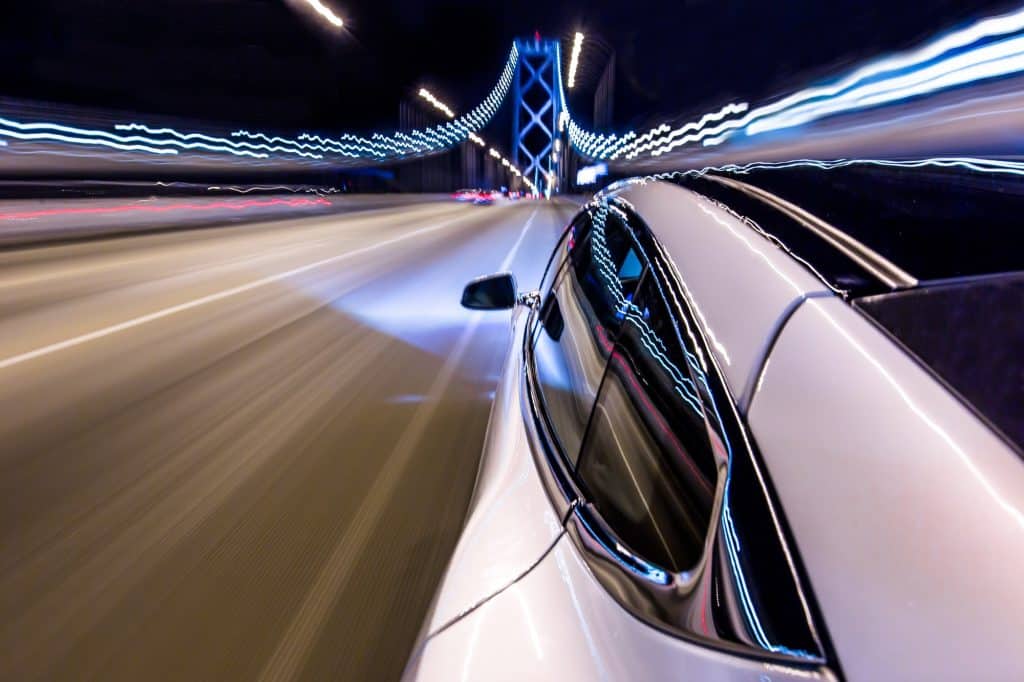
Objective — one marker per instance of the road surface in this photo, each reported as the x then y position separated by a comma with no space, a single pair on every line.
245,452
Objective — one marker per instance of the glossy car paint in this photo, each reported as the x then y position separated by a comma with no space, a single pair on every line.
511,523
744,285
906,508
557,623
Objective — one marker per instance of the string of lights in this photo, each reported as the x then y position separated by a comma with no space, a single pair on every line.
438,104
475,138
306,147
574,58
988,49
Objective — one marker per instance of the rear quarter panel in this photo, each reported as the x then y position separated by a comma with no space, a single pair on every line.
906,509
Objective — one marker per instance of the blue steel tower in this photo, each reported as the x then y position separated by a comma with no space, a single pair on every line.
538,104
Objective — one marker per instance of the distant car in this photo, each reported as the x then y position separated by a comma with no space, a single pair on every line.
485,198
465,195
755,426
480,197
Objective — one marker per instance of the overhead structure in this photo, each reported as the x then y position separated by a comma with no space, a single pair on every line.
920,84
133,141
537,105
987,54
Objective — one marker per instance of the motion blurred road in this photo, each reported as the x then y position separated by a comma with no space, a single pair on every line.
245,452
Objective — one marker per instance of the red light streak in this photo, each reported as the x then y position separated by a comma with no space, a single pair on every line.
166,208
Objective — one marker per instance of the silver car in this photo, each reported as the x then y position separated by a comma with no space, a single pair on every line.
755,425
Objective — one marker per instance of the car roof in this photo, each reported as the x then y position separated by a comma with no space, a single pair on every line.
950,230
933,220
726,267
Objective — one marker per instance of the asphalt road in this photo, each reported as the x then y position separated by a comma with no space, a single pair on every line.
245,452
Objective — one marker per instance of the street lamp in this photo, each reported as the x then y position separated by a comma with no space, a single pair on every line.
438,104
574,60
326,12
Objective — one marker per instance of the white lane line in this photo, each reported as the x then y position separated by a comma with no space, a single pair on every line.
507,263
220,295
307,624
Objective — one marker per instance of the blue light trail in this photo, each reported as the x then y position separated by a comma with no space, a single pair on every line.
989,49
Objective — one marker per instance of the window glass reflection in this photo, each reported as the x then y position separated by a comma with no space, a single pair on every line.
579,321
647,464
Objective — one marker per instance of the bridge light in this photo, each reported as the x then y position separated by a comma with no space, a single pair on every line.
325,11
438,104
574,60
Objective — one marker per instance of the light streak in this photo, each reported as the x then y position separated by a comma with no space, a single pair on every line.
965,162
471,135
689,132
574,59
988,49
164,208
438,104
325,11
54,132
967,52
305,148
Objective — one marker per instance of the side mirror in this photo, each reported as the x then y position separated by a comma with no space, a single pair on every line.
492,292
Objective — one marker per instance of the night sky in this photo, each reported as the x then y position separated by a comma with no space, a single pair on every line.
267,63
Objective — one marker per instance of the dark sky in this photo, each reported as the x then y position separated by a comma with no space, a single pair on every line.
262,63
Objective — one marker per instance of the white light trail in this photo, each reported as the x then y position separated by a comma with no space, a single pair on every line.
956,59
438,104
976,164
427,95
325,11
255,146
988,49
574,60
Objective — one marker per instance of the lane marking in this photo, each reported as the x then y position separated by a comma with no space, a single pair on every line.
297,643
358,220
211,298
507,263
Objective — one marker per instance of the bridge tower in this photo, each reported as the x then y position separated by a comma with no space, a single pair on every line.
537,104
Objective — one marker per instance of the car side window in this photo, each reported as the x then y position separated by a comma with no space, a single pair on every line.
608,268
647,464
576,233
579,321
